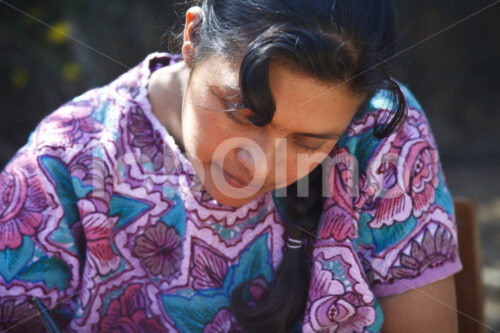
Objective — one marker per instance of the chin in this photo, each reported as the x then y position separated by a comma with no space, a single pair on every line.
232,196
235,203
232,201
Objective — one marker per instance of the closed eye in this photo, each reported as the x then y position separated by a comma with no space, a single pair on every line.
308,148
229,102
236,116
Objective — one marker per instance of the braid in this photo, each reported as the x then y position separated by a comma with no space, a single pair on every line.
329,41
284,302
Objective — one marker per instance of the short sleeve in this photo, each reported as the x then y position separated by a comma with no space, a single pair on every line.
387,224
407,235
41,243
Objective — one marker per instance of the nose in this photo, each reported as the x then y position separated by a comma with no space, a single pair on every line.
257,158
244,156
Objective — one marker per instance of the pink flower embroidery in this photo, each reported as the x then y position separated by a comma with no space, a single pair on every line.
339,218
337,223
422,178
407,174
128,314
98,229
433,251
345,314
334,308
22,200
159,249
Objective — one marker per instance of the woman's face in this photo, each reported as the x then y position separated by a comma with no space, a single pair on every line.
310,116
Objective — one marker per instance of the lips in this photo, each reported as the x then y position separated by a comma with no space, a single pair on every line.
233,181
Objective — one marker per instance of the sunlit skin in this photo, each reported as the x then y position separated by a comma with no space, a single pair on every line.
198,123
213,87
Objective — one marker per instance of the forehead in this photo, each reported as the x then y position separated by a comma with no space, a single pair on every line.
306,103
218,71
303,104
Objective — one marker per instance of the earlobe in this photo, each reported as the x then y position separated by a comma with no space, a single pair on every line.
193,17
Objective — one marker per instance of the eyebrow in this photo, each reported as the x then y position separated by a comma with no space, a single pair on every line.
237,93
227,89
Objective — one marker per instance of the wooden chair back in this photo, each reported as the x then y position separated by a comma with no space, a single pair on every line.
468,284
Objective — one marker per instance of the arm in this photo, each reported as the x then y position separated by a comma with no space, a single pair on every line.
431,308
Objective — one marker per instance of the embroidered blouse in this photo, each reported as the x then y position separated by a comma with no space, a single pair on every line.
106,222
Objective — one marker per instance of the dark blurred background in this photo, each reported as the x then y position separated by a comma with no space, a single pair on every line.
455,76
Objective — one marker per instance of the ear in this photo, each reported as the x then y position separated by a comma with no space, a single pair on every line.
193,17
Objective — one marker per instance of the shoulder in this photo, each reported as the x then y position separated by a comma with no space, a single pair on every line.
94,116
72,125
393,178
360,142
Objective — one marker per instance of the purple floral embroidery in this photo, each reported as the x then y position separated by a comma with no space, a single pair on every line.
129,314
94,172
159,249
224,322
149,142
433,252
19,317
340,218
70,123
335,308
407,174
344,314
209,268
22,200
423,179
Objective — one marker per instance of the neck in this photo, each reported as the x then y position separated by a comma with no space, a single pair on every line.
166,89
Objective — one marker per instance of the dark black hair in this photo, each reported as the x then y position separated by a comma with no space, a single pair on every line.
334,41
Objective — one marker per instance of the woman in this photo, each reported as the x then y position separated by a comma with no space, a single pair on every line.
187,195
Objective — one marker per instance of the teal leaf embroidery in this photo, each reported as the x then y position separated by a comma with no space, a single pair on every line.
176,217
385,236
13,260
128,209
64,187
52,271
63,182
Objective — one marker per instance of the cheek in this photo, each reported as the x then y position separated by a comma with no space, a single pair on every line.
203,131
